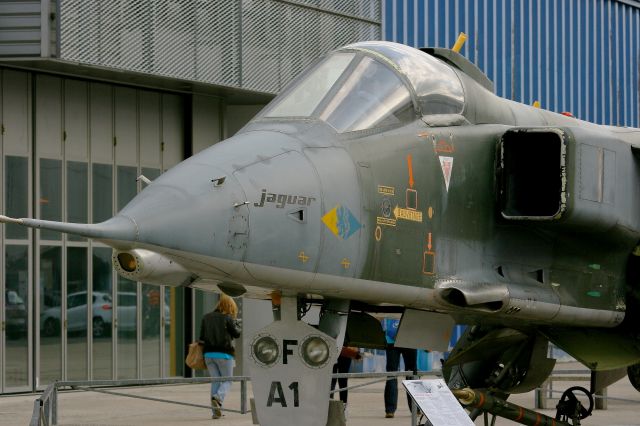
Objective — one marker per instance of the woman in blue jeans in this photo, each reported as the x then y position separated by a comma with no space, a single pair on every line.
217,332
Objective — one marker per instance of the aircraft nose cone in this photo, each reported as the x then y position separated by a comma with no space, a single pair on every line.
254,199
200,206
190,208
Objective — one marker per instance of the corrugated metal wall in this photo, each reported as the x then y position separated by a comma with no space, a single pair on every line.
28,28
257,45
571,55
20,28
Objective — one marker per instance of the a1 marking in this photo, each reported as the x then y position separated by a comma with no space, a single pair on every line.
276,394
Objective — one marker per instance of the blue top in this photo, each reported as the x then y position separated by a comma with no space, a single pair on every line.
217,355
390,327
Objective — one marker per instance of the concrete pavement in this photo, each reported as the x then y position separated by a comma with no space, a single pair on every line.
366,407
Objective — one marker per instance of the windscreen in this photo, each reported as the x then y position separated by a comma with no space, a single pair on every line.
372,96
350,91
437,86
305,97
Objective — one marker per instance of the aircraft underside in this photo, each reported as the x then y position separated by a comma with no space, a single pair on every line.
487,364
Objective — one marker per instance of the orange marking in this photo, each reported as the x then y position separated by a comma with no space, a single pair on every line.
429,243
444,147
423,134
481,402
520,416
276,298
538,419
429,263
410,167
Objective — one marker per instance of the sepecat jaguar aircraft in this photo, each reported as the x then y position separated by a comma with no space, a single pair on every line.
392,179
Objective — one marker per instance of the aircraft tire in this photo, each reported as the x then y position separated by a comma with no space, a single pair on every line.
633,371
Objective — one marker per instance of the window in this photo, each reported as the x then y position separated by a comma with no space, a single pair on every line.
372,96
127,300
311,88
76,300
437,86
351,92
13,298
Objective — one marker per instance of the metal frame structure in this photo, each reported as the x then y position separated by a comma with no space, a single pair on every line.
45,408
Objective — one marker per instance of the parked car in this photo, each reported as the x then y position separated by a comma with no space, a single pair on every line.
15,315
102,314
77,315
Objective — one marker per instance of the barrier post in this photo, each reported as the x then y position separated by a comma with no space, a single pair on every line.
54,405
243,396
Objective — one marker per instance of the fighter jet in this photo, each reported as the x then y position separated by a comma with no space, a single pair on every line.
392,179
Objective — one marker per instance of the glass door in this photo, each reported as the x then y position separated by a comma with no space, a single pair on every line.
16,372
16,295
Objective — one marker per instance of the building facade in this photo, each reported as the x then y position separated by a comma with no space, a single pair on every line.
578,56
94,94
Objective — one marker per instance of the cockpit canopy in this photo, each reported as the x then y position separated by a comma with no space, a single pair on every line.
371,85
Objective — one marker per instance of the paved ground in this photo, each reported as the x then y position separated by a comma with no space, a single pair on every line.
365,407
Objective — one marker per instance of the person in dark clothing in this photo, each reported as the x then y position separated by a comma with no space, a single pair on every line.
343,365
217,331
410,357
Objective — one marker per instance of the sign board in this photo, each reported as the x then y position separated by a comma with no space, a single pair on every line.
437,402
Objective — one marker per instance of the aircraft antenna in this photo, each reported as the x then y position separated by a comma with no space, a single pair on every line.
462,38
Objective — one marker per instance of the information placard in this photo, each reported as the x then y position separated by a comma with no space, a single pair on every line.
437,402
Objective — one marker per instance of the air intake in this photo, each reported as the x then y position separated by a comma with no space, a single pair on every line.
532,171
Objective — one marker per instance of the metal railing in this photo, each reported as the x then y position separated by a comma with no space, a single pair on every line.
45,408
546,391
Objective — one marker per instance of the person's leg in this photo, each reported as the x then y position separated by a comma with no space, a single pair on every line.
344,364
391,386
225,366
410,357
214,371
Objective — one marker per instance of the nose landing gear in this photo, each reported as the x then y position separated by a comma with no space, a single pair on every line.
570,407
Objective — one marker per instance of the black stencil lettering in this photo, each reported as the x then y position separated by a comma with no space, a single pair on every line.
296,400
276,388
287,351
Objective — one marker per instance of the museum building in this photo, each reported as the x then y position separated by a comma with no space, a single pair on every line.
94,94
